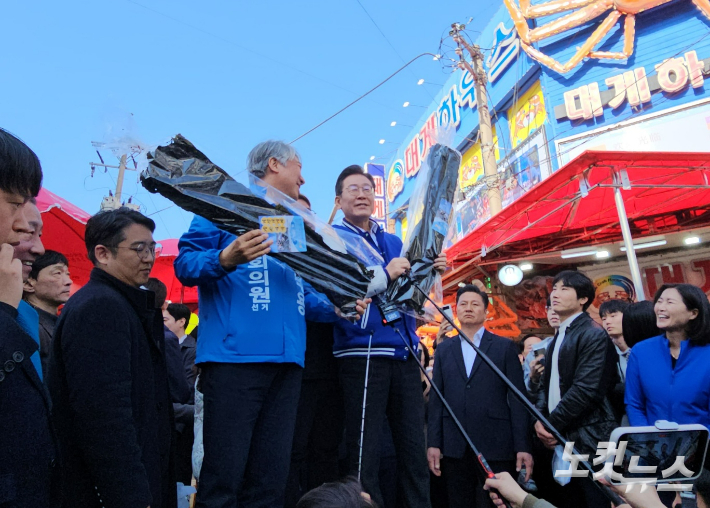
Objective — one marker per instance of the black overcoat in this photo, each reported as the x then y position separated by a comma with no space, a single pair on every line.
109,386
28,453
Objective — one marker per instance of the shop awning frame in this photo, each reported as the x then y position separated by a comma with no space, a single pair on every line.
588,200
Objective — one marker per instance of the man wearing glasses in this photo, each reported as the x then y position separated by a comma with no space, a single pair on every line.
394,388
108,377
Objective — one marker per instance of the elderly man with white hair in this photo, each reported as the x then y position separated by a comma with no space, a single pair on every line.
253,312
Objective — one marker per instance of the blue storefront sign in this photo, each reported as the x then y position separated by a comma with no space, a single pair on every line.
544,115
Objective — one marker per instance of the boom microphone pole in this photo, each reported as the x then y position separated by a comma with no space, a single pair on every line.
612,496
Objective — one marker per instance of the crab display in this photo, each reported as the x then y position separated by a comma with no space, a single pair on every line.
583,12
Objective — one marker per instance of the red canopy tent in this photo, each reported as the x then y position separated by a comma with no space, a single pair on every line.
598,197
64,225
163,270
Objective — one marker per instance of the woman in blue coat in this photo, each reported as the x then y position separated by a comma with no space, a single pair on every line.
668,376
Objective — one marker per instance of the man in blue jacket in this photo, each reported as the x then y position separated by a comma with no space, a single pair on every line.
253,312
394,387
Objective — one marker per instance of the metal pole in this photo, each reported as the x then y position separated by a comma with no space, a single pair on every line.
629,244
490,167
119,181
615,499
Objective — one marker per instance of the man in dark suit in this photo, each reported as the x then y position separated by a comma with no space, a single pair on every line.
108,378
29,467
494,419
176,317
180,354
46,289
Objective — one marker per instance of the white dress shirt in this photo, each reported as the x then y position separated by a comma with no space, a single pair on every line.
555,396
182,339
469,354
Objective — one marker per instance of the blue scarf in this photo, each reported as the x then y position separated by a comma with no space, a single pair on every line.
28,319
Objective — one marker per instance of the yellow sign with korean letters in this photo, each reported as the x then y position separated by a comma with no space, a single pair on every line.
527,115
273,224
471,169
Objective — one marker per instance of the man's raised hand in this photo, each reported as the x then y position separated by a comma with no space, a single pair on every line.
10,276
397,267
251,245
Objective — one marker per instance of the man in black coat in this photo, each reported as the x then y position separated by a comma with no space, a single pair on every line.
493,417
108,378
46,289
578,380
28,469
182,387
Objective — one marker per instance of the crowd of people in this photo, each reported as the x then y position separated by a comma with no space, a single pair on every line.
278,397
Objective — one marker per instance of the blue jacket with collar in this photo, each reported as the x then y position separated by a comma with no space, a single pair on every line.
353,339
253,314
657,391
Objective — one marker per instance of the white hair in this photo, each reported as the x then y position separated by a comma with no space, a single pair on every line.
259,157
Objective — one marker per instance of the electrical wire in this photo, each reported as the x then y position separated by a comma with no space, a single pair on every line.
363,95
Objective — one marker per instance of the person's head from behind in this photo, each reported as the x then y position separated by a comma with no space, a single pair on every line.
277,164
30,247
160,291
552,318
701,488
49,284
684,309
176,316
20,180
639,323
120,242
471,306
344,494
572,292
355,194
611,313
304,201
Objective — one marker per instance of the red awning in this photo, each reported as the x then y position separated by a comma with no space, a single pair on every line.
63,231
163,270
664,191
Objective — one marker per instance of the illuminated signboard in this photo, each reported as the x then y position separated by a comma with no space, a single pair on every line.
634,86
573,16
378,174
455,105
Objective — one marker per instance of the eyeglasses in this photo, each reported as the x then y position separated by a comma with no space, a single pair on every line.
354,190
143,250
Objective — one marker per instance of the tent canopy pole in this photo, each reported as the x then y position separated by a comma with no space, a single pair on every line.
628,240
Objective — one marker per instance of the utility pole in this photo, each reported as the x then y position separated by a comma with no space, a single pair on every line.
113,202
490,168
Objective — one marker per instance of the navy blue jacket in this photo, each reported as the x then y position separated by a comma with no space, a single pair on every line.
28,469
493,417
352,339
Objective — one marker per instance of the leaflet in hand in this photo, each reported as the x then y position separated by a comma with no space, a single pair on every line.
286,231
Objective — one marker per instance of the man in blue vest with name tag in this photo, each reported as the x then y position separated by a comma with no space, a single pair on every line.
253,312
394,387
